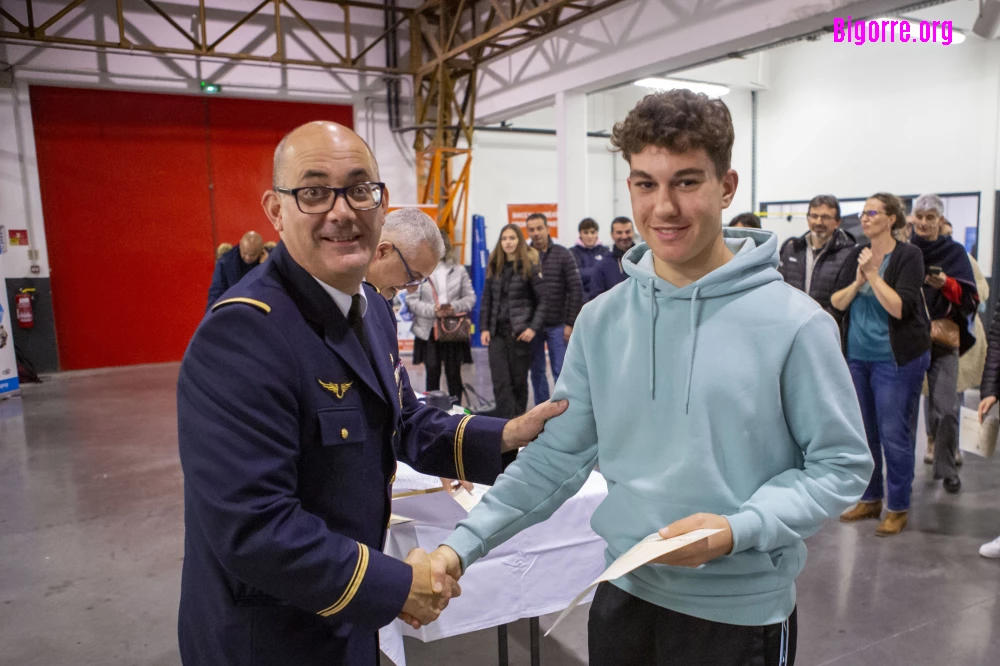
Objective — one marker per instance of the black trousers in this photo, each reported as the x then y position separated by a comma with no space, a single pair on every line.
627,631
509,363
449,353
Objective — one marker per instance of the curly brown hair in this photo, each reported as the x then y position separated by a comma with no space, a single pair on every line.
678,120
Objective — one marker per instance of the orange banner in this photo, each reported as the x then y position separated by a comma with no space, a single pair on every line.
518,214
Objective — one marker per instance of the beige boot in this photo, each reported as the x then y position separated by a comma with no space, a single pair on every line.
893,524
929,456
863,511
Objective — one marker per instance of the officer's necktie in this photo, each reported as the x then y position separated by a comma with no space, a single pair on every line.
357,322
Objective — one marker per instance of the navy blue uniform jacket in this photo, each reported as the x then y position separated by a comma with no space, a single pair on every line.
289,437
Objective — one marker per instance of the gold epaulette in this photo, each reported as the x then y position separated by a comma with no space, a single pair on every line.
264,307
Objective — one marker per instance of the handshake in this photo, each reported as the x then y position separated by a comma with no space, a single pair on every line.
435,583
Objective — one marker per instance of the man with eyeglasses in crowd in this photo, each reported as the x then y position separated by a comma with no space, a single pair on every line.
289,461
812,262
407,253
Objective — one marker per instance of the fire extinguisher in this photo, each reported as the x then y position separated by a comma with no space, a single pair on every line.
25,311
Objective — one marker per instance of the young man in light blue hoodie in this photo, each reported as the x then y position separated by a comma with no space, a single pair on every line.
729,406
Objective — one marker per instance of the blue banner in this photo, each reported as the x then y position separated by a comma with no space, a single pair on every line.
479,257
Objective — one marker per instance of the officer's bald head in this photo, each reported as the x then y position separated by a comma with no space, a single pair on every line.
251,247
331,236
317,135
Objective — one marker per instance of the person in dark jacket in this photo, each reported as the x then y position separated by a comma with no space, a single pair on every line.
989,390
812,262
951,295
510,318
235,263
610,273
589,254
885,335
562,302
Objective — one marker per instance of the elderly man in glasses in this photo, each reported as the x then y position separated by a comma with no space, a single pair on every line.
289,460
407,253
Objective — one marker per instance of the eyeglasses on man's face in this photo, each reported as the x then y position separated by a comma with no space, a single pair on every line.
319,199
413,279
816,217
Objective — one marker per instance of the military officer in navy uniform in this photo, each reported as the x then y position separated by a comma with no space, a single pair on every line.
293,407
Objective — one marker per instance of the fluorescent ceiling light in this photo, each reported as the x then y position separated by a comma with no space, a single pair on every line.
710,89
957,37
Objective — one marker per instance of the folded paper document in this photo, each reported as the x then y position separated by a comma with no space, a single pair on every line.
642,553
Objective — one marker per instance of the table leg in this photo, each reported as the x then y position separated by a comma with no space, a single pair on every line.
536,656
502,642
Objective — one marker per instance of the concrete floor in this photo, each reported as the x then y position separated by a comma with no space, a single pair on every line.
91,533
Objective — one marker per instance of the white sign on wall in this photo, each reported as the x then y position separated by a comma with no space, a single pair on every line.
8,364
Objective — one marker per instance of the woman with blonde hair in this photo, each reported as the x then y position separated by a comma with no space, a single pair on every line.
509,317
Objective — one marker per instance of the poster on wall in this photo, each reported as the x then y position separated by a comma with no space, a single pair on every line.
8,363
518,214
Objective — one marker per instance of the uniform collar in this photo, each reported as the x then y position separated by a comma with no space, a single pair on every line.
315,301
342,299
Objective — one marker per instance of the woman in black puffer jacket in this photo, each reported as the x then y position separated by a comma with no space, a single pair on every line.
509,317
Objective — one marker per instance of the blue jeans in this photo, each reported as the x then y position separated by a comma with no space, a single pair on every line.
557,350
888,395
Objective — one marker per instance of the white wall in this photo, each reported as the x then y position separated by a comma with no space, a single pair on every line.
393,152
20,197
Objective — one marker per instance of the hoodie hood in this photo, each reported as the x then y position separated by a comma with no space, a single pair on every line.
754,263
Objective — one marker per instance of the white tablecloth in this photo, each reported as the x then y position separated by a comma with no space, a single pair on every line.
537,572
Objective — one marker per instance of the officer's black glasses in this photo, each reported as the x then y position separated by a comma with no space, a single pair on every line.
319,199
413,280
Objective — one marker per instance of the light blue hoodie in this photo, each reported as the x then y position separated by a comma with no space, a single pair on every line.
747,410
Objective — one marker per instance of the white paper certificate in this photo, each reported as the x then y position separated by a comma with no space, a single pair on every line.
641,553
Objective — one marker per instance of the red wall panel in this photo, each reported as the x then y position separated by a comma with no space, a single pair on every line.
125,185
243,134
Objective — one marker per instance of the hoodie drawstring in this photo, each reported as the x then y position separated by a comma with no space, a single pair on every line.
694,339
654,312
652,338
